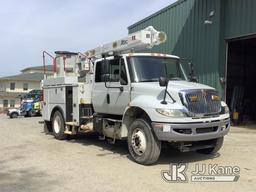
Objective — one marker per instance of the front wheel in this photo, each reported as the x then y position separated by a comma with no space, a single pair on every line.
58,126
14,115
143,145
217,146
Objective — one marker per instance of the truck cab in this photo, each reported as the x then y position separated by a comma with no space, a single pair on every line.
127,87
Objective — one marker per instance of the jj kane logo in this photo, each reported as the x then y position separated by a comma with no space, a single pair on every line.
201,173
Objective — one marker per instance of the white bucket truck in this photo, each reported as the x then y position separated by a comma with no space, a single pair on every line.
144,98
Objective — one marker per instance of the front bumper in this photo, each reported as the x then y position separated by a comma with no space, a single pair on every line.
197,131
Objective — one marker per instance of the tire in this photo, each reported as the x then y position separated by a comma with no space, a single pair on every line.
218,144
47,127
14,115
143,145
58,126
31,113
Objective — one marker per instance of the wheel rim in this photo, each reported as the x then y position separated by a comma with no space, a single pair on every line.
57,124
138,141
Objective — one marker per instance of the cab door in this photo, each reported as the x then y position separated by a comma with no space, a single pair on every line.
111,87
119,86
99,90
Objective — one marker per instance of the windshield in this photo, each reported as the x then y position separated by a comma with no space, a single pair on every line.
149,69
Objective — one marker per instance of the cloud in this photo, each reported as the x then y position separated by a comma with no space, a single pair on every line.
29,27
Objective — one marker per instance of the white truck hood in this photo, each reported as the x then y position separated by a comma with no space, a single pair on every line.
174,87
184,85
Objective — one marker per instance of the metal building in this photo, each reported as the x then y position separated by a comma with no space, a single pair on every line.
219,38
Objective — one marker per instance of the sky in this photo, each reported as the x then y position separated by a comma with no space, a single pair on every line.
29,27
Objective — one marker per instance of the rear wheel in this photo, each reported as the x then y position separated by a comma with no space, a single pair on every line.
58,126
217,146
143,145
31,113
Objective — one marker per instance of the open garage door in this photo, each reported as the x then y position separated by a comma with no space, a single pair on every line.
241,79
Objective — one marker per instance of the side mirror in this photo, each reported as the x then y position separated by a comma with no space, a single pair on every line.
163,81
192,76
193,79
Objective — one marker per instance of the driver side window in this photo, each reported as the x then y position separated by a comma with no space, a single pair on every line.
114,70
117,71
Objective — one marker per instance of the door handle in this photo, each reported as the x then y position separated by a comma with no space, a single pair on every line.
108,98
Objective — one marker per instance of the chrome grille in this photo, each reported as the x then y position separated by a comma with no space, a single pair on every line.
204,104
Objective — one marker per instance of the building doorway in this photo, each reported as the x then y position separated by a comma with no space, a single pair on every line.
241,78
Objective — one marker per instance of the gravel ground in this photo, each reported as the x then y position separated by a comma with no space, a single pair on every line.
30,160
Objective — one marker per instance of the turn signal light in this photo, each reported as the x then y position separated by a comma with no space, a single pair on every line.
193,98
215,98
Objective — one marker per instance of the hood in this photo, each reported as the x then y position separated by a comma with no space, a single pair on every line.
27,100
185,85
13,110
174,87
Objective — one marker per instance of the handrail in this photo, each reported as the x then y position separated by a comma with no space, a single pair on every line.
46,53
55,62
64,62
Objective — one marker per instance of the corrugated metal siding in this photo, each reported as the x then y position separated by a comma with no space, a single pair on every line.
237,20
240,18
203,45
189,37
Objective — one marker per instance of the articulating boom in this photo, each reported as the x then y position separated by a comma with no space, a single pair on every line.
146,38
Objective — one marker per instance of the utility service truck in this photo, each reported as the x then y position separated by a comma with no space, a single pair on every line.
144,98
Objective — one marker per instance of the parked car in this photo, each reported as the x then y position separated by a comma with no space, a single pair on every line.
14,113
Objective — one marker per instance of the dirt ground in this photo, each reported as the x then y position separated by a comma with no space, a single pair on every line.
30,160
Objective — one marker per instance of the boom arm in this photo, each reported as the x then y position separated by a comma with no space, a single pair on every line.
146,38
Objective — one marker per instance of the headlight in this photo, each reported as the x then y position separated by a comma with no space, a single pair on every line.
171,112
224,109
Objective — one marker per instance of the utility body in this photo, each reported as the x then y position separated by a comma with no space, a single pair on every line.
144,98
